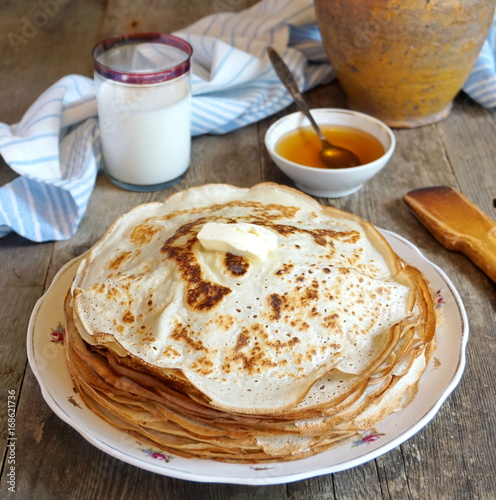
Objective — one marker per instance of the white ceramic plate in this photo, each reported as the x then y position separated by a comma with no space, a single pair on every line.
47,359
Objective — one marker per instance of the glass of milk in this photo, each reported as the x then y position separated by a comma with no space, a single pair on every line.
143,90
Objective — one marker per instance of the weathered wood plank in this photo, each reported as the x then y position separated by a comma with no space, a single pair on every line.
165,17
15,311
28,68
51,43
54,461
163,488
452,457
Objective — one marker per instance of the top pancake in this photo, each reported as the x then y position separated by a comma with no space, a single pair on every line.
248,336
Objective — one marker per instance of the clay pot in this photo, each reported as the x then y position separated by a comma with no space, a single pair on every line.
403,61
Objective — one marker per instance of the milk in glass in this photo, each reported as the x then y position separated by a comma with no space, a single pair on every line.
146,132
144,109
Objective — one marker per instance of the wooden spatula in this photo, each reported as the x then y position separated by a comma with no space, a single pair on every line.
457,224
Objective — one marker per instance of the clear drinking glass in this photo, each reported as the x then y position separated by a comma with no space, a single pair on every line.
143,90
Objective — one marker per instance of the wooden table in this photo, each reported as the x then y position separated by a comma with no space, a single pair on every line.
453,457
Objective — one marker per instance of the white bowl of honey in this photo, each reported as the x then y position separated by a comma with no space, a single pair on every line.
294,147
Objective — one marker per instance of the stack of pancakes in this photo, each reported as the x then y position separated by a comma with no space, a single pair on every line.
211,354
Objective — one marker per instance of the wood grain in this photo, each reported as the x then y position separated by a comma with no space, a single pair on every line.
451,458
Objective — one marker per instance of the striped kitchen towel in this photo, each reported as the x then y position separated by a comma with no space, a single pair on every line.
233,82
55,151
481,83
55,148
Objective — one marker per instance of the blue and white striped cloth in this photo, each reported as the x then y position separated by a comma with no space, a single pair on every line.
55,148
481,83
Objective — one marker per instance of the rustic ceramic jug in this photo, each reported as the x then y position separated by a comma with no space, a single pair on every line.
403,61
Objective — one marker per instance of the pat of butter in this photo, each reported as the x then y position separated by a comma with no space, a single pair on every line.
241,238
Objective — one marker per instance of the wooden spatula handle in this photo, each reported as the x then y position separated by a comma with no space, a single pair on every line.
481,252
457,224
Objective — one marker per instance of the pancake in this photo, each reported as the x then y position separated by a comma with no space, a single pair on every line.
221,347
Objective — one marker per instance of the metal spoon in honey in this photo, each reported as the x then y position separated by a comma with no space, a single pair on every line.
331,155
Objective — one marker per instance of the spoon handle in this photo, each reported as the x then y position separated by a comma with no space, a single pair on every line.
286,77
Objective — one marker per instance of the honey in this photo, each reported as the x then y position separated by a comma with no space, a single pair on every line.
302,145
